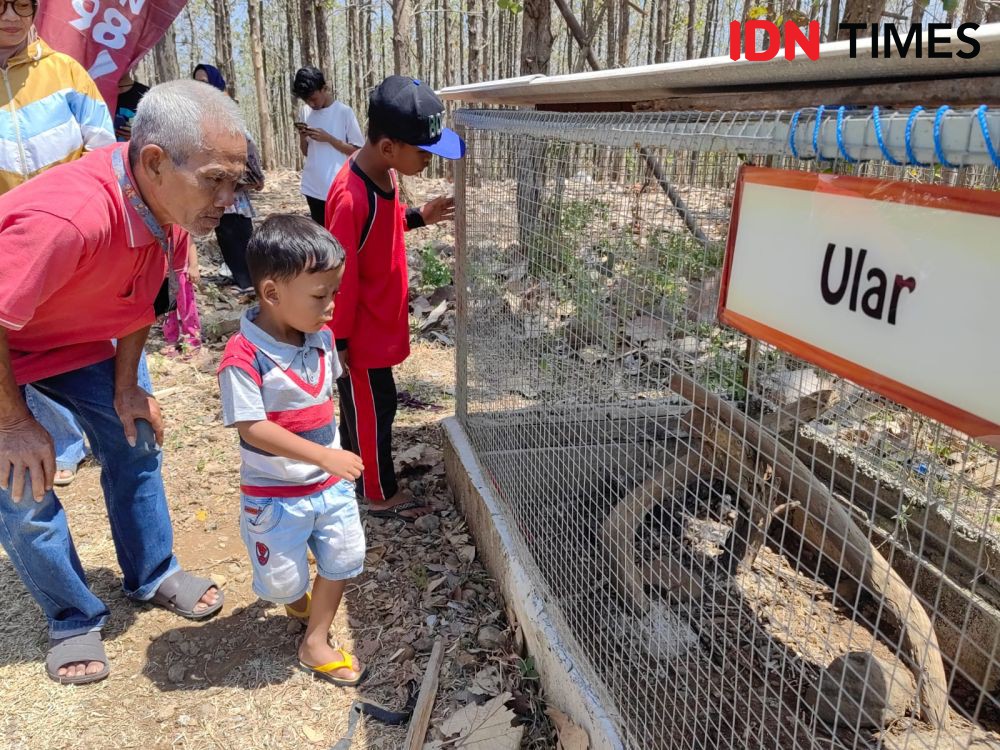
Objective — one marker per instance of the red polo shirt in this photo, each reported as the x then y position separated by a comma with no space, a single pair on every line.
78,267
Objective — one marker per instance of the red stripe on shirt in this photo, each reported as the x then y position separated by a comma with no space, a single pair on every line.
288,490
302,420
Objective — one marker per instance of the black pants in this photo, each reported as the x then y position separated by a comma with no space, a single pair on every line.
233,234
367,410
317,209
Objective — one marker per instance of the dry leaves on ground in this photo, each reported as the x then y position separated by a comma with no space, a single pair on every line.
570,735
485,727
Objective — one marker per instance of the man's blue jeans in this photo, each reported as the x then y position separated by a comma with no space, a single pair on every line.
59,422
36,535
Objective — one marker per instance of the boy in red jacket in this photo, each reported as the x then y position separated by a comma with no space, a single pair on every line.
371,316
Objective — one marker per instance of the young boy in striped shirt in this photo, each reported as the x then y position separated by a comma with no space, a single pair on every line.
277,379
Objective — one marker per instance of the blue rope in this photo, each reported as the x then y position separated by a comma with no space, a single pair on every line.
985,127
793,126
840,137
881,141
909,131
819,119
938,118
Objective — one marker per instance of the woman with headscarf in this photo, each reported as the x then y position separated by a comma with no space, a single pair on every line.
233,232
50,113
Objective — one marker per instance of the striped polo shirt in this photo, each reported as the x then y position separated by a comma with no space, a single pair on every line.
292,386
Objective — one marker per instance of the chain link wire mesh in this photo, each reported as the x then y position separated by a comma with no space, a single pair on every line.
744,551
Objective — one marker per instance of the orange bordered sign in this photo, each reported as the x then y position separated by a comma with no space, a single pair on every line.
893,285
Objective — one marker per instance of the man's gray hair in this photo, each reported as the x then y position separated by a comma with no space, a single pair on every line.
174,116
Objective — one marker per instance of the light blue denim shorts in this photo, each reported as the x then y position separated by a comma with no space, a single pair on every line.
278,530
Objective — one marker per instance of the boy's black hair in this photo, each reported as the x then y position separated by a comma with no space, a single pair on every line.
376,132
285,245
308,80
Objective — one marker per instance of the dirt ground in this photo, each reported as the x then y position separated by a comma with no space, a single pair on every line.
232,682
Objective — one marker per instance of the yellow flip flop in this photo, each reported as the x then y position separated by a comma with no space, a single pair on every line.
324,671
301,615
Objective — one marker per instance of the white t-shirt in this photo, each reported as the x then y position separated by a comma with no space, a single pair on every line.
323,161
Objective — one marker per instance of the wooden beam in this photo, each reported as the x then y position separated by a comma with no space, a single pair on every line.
905,93
425,700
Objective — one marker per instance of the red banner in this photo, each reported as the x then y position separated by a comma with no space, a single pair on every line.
107,37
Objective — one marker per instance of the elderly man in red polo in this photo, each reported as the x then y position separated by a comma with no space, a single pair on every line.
84,249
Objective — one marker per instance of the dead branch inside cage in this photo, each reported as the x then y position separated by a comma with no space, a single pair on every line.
744,547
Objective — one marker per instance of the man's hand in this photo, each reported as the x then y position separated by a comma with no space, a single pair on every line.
318,134
133,403
345,370
439,209
343,464
25,446
193,267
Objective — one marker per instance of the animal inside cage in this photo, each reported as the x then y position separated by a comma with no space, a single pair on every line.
739,548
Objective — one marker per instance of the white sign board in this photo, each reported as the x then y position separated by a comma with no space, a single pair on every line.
893,285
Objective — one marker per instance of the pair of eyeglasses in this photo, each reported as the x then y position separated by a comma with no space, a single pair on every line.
23,8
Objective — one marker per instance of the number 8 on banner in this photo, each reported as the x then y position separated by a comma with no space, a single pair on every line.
112,31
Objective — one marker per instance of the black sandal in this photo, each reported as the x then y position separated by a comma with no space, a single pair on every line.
396,511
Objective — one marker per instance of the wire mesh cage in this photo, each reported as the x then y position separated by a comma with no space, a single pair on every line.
746,551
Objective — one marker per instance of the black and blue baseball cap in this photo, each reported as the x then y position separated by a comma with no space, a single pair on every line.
409,111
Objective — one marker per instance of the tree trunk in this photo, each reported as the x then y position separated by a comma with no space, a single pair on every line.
165,57
485,7
352,62
862,11
354,52
536,37
435,71
323,51
402,37
291,22
624,20
306,34
418,27
473,30
662,18
223,43
692,17
462,19
707,42
366,35
266,141
610,50
449,74
818,518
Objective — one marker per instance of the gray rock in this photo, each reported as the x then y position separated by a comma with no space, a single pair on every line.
423,645
859,689
490,637
174,636
428,523
176,673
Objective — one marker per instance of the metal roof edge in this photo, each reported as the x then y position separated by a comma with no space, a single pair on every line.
664,79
